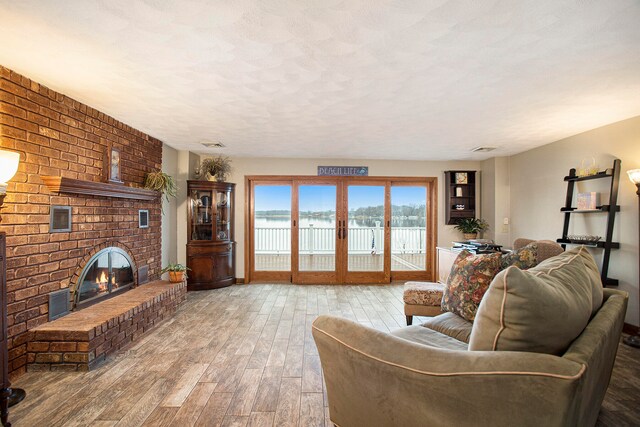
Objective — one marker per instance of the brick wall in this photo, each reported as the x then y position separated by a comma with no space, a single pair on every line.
59,136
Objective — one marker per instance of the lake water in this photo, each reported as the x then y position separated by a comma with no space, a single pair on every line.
282,222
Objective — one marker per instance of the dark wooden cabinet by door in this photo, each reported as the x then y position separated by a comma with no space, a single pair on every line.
459,196
211,245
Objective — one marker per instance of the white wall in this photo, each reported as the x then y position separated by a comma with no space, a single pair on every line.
538,192
280,166
495,199
169,217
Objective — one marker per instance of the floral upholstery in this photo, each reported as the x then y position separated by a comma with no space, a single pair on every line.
523,258
423,293
470,278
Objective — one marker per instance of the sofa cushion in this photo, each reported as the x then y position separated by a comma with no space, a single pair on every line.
523,258
538,310
546,248
470,278
450,324
591,269
429,337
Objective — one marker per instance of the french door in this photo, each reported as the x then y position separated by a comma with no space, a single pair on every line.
340,229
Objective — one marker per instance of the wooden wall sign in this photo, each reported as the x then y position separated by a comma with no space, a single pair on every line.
343,171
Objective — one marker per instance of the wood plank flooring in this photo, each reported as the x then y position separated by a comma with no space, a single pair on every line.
241,356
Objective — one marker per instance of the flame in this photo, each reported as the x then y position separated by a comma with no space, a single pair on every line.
102,282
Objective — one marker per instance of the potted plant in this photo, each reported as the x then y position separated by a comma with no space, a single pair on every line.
177,272
216,167
162,182
470,227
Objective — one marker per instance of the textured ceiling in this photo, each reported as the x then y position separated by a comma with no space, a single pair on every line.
421,79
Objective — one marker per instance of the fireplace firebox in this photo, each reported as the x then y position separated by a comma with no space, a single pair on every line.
108,272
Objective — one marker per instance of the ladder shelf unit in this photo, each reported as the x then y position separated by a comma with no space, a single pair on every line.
611,208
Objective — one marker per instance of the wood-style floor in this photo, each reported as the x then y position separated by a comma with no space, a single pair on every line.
241,356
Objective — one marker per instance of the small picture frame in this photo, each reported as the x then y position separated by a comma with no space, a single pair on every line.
143,218
462,178
113,166
60,220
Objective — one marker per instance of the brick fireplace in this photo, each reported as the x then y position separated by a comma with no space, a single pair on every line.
61,137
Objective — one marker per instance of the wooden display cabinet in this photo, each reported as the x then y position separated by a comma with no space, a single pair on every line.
210,244
459,195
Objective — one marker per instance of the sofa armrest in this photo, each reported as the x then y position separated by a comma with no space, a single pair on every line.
376,379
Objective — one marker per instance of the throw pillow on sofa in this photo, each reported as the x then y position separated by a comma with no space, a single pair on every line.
542,309
523,258
470,278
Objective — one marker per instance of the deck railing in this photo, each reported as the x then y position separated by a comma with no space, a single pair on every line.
322,240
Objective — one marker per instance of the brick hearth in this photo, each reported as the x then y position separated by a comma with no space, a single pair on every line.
82,339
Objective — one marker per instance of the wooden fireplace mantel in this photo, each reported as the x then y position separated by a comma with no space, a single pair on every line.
59,184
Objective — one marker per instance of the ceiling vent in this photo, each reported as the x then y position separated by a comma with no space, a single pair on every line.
213,144
483,149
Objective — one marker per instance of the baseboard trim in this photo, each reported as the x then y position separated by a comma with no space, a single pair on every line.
239,280
630,329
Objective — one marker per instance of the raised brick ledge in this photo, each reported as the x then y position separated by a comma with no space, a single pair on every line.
81,339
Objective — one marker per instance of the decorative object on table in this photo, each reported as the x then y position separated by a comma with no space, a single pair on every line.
197,171
60,219
216,168
458,191
161,182
470,227
609,206
588,169
588,201
177,272
462,178
634,176
583,239
460,207
114,173
143,218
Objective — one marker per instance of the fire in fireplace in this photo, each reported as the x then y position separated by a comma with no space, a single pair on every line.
107,272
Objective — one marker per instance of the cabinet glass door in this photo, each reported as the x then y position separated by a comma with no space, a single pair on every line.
202,212
223,212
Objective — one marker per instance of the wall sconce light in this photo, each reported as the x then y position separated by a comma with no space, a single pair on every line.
634,176
9,161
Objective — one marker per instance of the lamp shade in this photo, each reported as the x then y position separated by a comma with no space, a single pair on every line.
9,161
634,175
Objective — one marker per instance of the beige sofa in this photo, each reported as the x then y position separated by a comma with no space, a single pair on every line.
427,376
423,298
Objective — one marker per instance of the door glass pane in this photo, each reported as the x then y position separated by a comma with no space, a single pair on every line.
317,227
408,228
366,227
272,228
